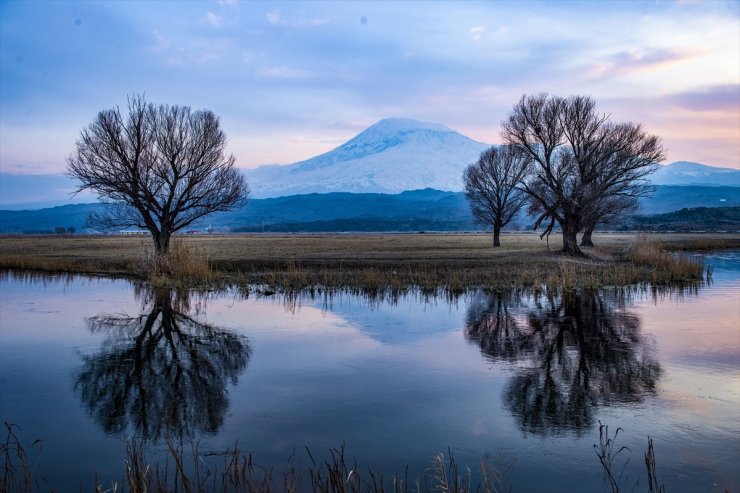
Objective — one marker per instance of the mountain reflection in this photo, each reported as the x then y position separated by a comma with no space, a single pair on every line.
570,353
161,373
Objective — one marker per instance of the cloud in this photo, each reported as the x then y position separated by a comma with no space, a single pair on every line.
477,32
283,72
214,19
633,61
273,17
234,4
723,98
161,43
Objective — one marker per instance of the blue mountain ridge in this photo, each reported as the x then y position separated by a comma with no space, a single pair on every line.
427,210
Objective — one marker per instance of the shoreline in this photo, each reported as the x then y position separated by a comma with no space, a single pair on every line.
371,263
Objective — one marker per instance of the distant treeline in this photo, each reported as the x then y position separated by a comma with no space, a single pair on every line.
695,219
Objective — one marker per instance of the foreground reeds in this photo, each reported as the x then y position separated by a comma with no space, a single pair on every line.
372,264
187,471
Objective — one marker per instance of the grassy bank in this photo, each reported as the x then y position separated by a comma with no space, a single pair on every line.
370,263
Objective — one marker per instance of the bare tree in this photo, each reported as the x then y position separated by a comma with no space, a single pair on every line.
491,187
158,168
579,159
608,211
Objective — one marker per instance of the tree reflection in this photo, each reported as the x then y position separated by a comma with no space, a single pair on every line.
572,354
161,373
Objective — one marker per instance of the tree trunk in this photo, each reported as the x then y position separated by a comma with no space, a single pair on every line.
586,238
161,241
496,234
570,240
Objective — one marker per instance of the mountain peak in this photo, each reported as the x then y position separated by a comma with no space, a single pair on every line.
688,173
393,155
394,125
387,134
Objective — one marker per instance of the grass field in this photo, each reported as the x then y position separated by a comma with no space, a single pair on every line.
368,262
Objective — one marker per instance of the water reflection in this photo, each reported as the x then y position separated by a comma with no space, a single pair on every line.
570,354
162,372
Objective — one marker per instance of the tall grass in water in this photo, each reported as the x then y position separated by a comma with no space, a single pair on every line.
195,472
17,472
180,266
666,266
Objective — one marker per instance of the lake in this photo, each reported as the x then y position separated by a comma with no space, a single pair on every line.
520,379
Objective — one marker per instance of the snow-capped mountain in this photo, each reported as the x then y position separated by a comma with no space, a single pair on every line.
686,173
391,156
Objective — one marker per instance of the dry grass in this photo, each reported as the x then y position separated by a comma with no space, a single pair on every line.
665,266
181,266
372,263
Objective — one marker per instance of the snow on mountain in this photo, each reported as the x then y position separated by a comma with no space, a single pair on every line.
391,156
687,173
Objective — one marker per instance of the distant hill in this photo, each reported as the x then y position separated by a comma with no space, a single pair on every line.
686,173
427,210
673,197
45,220
693,219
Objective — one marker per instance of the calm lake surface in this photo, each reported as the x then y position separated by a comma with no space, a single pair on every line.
86,364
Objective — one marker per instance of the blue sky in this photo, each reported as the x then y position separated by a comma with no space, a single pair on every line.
293,79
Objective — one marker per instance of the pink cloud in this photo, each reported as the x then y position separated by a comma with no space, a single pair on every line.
628,62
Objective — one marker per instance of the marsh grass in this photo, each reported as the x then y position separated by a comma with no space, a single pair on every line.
180,266
665,265
371,264
18,471
190,470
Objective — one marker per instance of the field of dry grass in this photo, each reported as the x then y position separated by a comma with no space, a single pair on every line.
364,261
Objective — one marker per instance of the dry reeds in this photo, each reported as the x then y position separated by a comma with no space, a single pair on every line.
17,473
178,267
665,266
236,472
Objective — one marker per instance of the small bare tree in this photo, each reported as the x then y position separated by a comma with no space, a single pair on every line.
157,168
579,158
491,187
608,211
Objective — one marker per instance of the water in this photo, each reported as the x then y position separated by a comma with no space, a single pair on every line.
87,364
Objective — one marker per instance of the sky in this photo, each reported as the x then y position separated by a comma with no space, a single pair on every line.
291,80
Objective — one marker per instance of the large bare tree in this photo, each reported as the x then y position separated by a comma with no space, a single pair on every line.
158,168
579,158
491,187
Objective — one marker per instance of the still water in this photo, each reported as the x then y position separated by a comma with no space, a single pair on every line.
522,378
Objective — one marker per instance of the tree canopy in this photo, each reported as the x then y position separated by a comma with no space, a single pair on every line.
157,168
580,161
492,187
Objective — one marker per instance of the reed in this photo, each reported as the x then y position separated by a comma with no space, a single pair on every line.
18,475
180,266
666,266
189,470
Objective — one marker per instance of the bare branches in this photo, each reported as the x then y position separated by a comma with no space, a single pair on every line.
583,165
161,168
491,186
